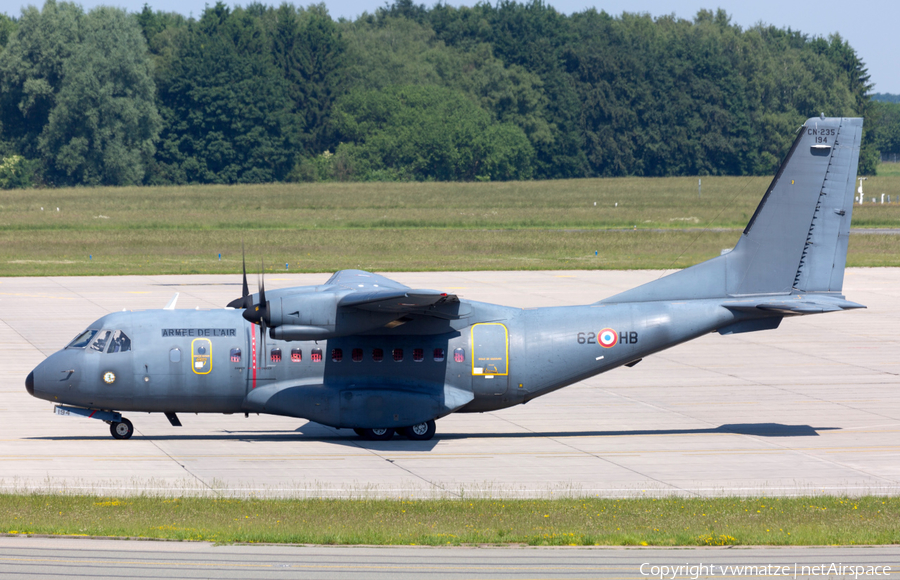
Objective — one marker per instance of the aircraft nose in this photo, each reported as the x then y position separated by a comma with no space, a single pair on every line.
29,383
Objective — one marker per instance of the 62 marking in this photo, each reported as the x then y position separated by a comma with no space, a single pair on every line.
587,338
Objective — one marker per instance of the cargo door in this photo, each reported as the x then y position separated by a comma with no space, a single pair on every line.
490,358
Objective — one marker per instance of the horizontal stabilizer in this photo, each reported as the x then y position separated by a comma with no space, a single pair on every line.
796,305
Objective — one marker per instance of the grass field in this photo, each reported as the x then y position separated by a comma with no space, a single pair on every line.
888,169
660,522
636,223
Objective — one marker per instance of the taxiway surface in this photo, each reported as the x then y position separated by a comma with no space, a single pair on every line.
813,407
72,557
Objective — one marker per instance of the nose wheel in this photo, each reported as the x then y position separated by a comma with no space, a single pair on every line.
121,430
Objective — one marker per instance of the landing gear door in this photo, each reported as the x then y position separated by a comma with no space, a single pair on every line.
490,358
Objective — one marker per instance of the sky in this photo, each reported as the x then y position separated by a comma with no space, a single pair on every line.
870,26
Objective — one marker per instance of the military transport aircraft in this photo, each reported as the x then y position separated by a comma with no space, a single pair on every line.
364,352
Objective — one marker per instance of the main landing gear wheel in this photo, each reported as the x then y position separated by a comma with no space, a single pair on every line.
421,432
378,434
123,430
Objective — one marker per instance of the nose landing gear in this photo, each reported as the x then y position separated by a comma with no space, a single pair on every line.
121,429
119,426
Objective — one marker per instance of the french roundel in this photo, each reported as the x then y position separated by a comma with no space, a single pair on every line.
608,338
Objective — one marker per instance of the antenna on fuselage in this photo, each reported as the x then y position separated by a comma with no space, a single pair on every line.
171,304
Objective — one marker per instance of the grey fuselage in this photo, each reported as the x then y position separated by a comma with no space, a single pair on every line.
547,348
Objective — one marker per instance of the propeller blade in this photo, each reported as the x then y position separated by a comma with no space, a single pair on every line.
244,301
262,337
258,313
263,305
246,289
263,312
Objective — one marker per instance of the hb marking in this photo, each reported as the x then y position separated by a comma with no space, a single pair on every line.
628,337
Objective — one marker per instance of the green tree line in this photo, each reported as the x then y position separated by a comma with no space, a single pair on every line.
491,92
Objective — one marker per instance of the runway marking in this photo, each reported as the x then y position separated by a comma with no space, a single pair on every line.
712,403
492,455
298,459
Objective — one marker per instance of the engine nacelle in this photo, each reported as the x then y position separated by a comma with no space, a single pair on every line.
317,316
314,309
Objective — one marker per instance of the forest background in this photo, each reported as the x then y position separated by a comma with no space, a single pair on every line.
508,91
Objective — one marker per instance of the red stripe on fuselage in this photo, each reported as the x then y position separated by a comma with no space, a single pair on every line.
253,354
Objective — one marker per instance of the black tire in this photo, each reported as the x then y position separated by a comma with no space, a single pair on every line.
123,430
378,434
421,432
360,432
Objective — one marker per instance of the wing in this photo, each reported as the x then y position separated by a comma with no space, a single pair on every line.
376,293
361,280
353,302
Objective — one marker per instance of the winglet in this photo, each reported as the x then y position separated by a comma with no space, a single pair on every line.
171,304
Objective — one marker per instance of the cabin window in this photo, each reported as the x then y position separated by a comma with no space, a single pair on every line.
337,355
398,354
82,339
235,355
316,355
459,355
119,343
100,341
418,355
438,355
275,355
296,355
356,355
377,354
174,355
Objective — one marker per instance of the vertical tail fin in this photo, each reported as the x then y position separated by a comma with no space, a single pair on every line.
796,240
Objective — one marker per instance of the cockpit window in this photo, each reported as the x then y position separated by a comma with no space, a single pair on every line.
82,339
99,342
120,342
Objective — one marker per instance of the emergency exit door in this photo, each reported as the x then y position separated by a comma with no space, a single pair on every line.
490,358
